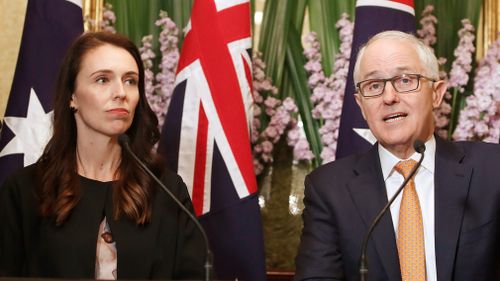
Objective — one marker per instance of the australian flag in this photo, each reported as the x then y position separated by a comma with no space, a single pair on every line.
49,28
205,137
372,17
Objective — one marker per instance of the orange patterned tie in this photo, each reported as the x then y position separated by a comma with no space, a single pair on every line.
410,229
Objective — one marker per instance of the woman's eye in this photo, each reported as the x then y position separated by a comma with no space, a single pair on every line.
131,82
101,80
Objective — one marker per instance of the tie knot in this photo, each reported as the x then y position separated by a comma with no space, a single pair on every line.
404,167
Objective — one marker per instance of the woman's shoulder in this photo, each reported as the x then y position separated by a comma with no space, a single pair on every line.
170,177
22,177
19,187
174,183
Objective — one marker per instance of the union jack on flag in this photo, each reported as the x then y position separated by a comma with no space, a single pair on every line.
205,137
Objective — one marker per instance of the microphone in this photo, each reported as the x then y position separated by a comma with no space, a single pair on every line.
419,147
124,140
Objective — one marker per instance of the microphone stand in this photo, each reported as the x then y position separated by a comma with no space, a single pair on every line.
363,267
124,142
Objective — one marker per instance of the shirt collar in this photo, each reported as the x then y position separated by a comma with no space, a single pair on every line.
389,160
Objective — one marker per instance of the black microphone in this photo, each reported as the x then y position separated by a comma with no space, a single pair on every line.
123,140
419,147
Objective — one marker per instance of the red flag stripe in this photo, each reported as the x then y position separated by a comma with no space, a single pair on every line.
201,158
235,28
188,51
248,74
406,2
402,5
223,83
235,25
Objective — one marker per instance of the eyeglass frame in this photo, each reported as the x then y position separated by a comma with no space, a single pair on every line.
419,76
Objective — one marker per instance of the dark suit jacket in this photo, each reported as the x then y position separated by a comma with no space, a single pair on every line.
342,199
169,247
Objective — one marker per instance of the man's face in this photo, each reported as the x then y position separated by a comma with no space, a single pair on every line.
398,119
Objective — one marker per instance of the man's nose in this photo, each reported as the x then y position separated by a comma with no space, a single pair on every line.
390,95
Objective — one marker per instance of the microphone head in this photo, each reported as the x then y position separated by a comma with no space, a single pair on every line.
419,146
123,140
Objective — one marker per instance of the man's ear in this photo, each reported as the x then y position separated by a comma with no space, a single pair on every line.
359,101
439,89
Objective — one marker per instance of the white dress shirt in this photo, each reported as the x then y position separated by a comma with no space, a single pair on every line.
424,184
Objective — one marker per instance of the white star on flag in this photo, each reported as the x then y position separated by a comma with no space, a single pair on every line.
366,134
31,132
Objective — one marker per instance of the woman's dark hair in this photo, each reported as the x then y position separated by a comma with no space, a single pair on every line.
59,190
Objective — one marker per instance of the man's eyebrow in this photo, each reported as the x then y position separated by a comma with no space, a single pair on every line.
376,72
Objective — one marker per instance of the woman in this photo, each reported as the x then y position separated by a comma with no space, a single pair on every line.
86,209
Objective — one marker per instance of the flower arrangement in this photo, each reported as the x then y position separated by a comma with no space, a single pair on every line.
428,35
108,19
480,118
327,92
159,87
462,65
147,56
271,116
428,22
460,69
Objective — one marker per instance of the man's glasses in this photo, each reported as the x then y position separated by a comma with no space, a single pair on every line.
402,84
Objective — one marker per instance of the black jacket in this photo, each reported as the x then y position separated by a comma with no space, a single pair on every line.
342,199
169,247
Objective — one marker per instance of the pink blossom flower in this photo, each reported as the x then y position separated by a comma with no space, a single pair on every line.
289,105
267,146
480,118
278,116
293,136
428,35
428,31
159,87
108,19
328,92
463,57
301,150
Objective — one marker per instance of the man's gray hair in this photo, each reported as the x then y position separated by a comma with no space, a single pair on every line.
425,54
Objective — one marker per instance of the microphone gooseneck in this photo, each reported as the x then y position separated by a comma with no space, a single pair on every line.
419,147
123,140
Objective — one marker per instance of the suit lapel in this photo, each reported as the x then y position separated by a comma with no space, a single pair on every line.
369,195
451,188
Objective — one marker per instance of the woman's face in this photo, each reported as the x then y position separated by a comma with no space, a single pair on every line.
106,92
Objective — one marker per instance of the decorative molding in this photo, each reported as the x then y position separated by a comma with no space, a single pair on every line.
92,14
489,26
11,25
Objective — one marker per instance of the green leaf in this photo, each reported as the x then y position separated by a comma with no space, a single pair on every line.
272,41
179,12
136,19
298,77
323,15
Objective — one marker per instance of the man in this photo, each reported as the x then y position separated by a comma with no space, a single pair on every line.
444,225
